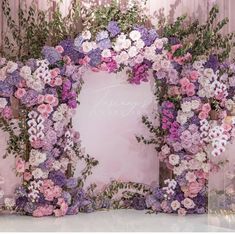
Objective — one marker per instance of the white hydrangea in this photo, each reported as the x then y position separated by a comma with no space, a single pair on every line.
135,35
37,157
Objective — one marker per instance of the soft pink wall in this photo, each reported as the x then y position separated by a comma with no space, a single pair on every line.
108,119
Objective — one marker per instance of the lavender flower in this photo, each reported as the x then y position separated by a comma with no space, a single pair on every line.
30,98
95,57
113,28
51,54
6,90
105,44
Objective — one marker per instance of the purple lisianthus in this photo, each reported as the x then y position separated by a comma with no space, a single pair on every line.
102,36
58,177
51,54
113,28
95,57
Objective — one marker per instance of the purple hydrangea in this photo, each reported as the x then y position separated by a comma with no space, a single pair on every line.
71,182
213,62
6,90
113,28
70,50
51,54
95,57
58,177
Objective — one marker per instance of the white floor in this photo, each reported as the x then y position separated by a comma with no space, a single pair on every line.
119,220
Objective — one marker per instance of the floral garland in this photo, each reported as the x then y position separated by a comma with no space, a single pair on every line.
48,88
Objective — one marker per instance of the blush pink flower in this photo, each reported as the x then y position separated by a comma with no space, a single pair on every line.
63,208
206,107
190,89
20,93
43,211
60,49
20,165
40,99
54,73
193,76
49,98
42,108
182,211
194,187
175,47
203,115
184,82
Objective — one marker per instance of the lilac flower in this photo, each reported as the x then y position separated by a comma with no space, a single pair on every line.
13,78
51,54
102,36
58,177
113,28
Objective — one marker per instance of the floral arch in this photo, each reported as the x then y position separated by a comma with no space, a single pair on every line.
194,99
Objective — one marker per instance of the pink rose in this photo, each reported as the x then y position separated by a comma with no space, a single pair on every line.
20,165
190,89
20,93
54,73
49,194
184,82
49,98
40,99
194,187
206,107
43,211
58,81
182,211
193,76
27,176
42,108
60,49
203,115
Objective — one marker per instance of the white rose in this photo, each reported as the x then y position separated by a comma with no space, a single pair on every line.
11,67
188,203
198,65
86,35
121,37
87,46
195,104
132,51
174,159
106,53
124,57
3,103
139,44
165,149
126,44
208,72
175,205
135,35
186,106
159,43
